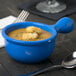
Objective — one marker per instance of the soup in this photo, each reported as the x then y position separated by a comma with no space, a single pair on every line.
29,34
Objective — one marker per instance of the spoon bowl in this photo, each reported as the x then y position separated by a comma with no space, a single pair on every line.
69,61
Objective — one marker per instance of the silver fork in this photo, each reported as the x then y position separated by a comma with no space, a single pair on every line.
22,16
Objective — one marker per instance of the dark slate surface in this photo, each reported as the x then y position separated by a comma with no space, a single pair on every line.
8,7
3,71
16,68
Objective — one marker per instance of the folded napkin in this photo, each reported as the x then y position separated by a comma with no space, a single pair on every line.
4,22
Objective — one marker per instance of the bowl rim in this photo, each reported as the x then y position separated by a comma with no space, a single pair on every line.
6,37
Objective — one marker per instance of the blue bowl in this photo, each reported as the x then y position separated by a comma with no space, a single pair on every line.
35,51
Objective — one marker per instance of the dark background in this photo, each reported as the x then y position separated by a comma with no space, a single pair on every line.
9,7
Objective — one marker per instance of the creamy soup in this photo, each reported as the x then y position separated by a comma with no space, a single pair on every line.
28,34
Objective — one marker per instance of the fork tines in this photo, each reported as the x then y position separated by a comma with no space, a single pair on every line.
22,17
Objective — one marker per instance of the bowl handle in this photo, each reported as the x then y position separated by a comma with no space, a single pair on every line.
64,25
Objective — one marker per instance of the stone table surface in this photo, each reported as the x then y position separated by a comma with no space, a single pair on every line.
62,49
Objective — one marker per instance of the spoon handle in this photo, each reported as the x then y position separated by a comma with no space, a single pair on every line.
42,70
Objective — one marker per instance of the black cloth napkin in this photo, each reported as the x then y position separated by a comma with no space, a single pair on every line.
30,6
